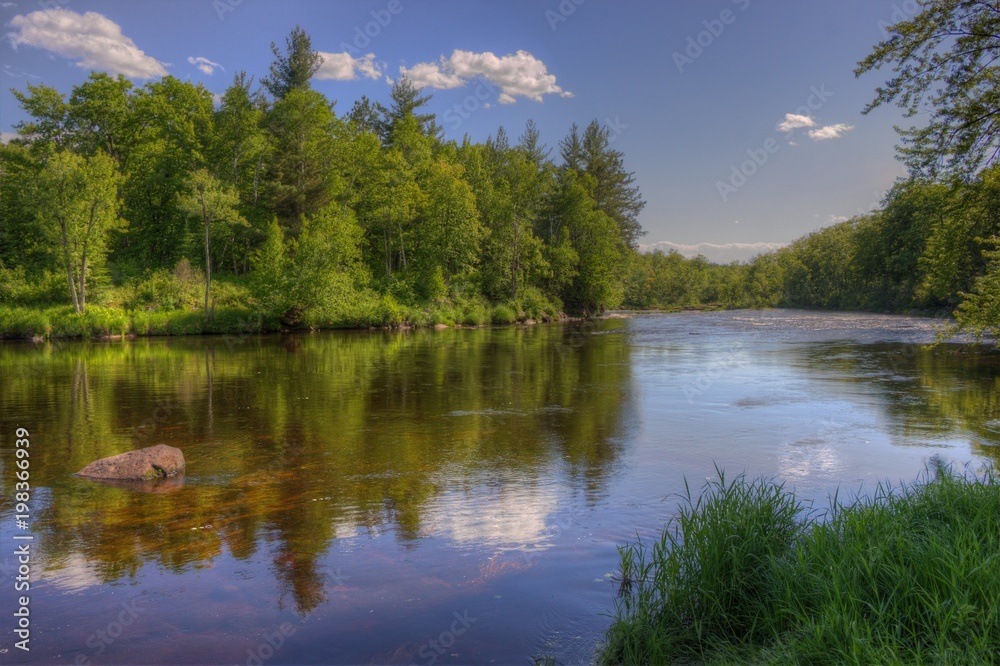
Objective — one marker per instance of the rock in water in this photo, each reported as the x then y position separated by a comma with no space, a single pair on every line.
150,463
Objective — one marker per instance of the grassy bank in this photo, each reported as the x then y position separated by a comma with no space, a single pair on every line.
745,573
171,303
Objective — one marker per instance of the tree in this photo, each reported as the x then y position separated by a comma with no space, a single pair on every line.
449,232
302,128
49,112
293,69
602,256
214,204
78,206
530,144
173,128
365,116
99,113
945,61
406,99
613,188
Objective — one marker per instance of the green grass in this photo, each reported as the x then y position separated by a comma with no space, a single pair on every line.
746,573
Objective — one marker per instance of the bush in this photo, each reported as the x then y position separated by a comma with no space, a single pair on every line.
502,314
536,306
16,322
18,288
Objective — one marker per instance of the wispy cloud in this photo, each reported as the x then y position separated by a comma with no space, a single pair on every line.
794,121
18,73
516,74
830,132
717,252
92,40
205,65
345,67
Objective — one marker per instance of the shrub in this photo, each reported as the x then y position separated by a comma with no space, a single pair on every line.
502,314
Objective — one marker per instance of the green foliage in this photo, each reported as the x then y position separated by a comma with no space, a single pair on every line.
502,314
979,313
293,69
745,574
311,218
944,60
77,209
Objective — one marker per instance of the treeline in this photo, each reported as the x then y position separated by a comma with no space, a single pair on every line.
271,208
931,247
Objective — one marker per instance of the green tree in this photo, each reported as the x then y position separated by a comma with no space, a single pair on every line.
303,177
448,232
944,60
216,206
292,69
603,257
173,128
99,116
78,206
612,187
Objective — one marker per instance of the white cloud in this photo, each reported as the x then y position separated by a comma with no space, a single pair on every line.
7,136
830,132
837,219
794,121
8,5
516,74
716,252
433,75
345,67
92,40
205,65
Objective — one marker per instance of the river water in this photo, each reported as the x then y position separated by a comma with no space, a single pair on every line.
425,496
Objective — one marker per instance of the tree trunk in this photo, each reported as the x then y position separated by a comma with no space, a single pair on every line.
208,257
69,267
83,283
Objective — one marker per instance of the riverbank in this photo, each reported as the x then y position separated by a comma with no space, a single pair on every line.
746,573
60,321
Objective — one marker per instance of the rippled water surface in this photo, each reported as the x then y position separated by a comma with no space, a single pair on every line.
436,496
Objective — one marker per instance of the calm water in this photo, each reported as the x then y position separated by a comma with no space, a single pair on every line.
436,496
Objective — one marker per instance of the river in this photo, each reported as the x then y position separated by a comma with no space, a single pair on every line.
424,496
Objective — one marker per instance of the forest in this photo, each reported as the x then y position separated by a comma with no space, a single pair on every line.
156,210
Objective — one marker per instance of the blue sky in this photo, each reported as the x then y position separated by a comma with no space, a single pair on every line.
741,118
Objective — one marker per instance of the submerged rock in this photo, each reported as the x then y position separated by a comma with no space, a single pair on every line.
154,462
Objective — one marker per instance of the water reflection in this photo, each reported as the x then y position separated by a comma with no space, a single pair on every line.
927,394
293,441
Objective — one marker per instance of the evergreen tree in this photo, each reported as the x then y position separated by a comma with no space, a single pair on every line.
293,69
